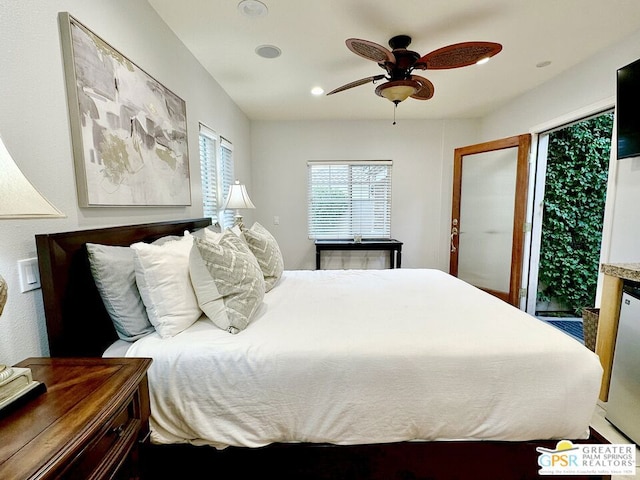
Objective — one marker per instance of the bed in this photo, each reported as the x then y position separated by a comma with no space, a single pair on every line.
339,374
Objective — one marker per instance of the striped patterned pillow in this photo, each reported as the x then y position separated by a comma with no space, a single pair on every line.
266,250
237,281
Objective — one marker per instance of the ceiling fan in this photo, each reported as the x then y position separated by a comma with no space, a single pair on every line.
399,63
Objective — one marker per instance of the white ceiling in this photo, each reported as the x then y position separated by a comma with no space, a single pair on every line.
311,35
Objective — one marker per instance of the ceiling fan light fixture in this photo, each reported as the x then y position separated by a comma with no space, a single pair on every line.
397,91
399,63
482,61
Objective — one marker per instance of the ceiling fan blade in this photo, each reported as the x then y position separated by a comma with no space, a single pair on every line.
370,50
356,83
457,55
426,90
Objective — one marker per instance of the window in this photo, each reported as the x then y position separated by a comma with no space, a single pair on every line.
349,198
216,172
225,168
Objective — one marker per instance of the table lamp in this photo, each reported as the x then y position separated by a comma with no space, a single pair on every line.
18,200
238,199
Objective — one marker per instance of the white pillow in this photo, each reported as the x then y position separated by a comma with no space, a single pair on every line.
227,279
162,275
208,234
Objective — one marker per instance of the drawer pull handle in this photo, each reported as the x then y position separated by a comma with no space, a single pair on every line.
118,431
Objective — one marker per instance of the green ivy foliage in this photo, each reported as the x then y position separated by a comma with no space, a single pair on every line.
575,192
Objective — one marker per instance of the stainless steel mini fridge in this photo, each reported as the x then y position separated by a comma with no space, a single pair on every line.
623,406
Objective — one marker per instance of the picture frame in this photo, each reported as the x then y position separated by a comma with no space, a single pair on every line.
128,131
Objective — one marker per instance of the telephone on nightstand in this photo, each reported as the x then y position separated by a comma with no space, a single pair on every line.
16,384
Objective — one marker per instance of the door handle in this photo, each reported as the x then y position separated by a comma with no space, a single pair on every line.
454,233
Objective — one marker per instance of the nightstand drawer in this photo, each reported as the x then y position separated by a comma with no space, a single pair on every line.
105,454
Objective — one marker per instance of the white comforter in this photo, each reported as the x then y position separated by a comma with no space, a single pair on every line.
352,357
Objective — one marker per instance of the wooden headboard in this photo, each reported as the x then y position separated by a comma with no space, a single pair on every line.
77,322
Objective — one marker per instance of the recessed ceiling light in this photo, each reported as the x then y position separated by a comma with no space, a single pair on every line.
252,8
546,63
317,91
268,51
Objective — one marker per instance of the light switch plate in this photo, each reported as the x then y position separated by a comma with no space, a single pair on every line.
29,274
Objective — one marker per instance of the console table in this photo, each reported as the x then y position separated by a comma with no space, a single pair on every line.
393,246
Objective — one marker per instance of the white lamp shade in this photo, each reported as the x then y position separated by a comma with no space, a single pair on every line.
18,198
238,197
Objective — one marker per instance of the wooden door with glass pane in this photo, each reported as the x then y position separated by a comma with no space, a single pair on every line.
488,215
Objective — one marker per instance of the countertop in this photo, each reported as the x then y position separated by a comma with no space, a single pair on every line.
625,271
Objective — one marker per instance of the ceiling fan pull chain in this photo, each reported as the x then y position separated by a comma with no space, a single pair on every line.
395,107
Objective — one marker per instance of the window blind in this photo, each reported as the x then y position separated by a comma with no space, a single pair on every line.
216,173
208,172
349,198
227,178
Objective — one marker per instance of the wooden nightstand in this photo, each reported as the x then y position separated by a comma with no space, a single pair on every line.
87,425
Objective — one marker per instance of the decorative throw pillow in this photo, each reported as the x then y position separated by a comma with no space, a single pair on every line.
162,275
267,252
114,276
227,279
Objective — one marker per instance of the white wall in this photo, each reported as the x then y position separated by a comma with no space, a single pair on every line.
589,83
422,154
270,156
34,125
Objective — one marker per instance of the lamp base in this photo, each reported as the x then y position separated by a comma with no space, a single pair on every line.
237,221
3,294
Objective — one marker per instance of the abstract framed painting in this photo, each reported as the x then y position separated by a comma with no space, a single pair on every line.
128,131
